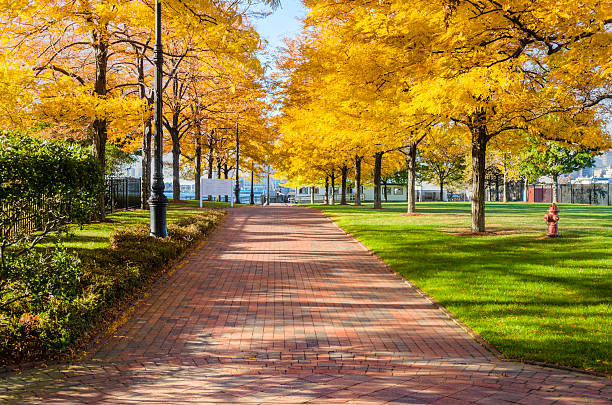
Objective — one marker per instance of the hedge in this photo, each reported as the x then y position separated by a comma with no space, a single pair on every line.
99,280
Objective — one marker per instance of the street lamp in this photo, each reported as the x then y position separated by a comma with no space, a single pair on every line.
158,201
237,185
268,188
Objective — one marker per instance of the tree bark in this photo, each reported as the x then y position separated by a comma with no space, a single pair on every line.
333,188
210,161
385,190
343,193
505,190
226,176
218,176
312,198
176,162
411,163
147,131
555,188
496,187
326,190
479,154
99,127
198,165
145,181
377,171
441,190
358,160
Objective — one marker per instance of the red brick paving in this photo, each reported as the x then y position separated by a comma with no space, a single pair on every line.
280,306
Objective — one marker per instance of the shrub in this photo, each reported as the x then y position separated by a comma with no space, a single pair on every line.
71,295
44,185
63,175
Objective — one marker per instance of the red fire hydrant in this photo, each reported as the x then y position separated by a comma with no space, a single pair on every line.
552,218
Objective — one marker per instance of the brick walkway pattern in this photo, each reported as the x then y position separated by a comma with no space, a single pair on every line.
280,306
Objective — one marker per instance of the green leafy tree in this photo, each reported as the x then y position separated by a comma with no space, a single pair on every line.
449,170
552,159
116,158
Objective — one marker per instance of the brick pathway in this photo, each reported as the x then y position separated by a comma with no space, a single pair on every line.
280,306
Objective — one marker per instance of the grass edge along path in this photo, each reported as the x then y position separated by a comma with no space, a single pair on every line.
532,298
110,248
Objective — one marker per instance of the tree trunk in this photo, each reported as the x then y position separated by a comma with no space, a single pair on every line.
496,187
479,154
505,190
358,160
555,188
385,190
326,190
218,176
176,162
145,181
147,131
99,132
526,191
333,188
312,199
377,171
226,176
343,193
198,165
210,162
411,163
441,190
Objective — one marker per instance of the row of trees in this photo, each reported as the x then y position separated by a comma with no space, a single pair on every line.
83,70
446,165
373,83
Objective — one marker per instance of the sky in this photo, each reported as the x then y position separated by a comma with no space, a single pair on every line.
282,23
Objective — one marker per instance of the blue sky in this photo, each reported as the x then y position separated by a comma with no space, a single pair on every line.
282,23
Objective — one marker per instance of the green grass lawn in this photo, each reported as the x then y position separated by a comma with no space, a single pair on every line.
532,297
96,235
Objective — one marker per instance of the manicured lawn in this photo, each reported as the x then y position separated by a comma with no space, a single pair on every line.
530,296
96,235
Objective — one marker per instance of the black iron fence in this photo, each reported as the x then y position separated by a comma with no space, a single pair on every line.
29,216
494,192
593,194
123,194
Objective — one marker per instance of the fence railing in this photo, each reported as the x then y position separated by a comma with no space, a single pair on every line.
120,194
30,215
123,194
593,194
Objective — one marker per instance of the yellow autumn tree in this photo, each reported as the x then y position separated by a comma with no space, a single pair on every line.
492,67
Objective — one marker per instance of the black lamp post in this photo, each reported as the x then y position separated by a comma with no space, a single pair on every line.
237,185
158,201
268,188
252,201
